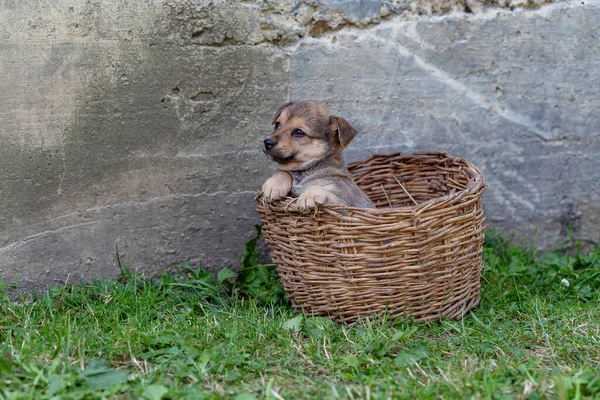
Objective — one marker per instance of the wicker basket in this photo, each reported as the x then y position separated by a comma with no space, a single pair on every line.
401,258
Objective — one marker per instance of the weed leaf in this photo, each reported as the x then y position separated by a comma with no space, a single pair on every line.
316,327
6,365
224,275
293,324
401,335
405,359
245,396
56,385
257,281
155,392
250,257
351,360
99,375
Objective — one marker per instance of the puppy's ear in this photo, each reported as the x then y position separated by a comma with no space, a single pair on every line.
280,110
343,131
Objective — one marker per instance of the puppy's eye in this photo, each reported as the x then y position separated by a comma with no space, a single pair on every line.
298,133
277,124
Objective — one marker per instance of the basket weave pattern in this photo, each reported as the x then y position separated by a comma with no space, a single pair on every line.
422,260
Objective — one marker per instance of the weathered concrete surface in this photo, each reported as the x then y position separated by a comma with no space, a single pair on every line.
139,123
511,92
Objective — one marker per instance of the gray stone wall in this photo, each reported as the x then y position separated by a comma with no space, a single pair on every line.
139,123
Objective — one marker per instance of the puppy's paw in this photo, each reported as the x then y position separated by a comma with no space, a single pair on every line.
277,187
315,196
272,192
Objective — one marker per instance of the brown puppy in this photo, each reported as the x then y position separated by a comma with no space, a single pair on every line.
307,143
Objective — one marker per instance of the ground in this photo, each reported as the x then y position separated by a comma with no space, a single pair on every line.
535,335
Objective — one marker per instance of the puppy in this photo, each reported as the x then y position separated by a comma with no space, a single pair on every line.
307,144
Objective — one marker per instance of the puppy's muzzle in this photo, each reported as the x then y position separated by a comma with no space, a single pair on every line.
269,144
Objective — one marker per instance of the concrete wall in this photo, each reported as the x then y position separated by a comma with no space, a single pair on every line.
138,123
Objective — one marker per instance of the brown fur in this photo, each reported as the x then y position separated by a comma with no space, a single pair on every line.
311,166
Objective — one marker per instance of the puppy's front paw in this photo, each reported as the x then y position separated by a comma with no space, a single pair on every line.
315,196
277,187
273,192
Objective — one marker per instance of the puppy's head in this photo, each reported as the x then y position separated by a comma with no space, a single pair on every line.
306,133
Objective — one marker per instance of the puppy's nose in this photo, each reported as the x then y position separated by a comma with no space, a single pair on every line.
269,144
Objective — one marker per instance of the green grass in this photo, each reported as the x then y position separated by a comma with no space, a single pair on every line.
536,334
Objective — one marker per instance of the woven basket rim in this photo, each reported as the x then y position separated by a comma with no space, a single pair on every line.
476,183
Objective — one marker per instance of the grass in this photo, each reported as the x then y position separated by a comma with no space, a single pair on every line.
536,334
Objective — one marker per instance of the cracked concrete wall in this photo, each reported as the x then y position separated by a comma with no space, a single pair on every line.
139,123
